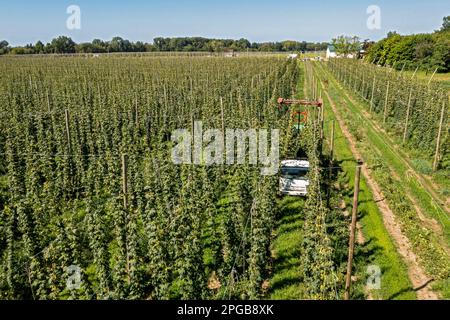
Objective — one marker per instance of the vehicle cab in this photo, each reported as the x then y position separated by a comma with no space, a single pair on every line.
294,179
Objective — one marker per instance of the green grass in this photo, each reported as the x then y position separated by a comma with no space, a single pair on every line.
378,248
443,78
286,281
378,152
379,142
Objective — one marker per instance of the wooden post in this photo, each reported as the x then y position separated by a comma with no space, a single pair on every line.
351,246
363,86
438,142
330,163
330,169
393,67
332,140
48,103
386,103
125,207
313,87
165,96
432,76
415,71
403,68
125,180
373,92
222,116
223,121
136,109
322,117
68,130
317,89
408,110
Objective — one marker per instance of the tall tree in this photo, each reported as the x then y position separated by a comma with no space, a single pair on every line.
347,45
446,24
63,44
4,46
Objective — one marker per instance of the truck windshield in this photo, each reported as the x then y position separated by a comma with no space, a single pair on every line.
294,172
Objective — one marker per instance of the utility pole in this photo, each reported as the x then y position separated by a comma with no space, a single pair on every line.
351,246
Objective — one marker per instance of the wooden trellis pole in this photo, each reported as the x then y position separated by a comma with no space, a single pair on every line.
373,92
438,142
322,120
403,68
351,246
415,71
48,103
432,76
136,109
333,124
408,110
125,206
330,169
125,180
330,163
363,85
222,116
386,102
68,130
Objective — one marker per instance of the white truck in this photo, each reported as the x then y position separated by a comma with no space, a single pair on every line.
294,179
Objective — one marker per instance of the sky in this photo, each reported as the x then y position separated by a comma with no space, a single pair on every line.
23,22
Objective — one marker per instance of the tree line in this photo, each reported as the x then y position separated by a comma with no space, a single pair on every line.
422,51
65,45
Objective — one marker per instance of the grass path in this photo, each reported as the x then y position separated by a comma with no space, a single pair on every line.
379,248
376,248
373,143
415,272
285,283
423,214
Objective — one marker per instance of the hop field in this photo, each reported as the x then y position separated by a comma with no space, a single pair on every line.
90,197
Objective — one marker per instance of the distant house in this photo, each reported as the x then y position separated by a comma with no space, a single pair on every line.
331,52
229,53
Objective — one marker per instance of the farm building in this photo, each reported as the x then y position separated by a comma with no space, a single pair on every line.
331,52
229,53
